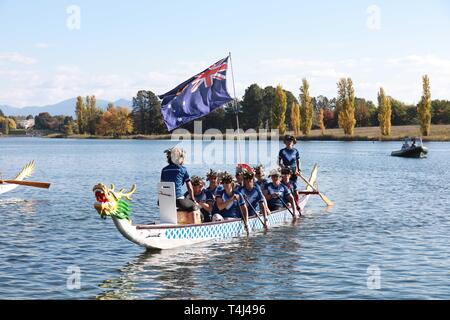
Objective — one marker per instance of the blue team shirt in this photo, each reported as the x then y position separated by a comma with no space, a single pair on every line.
289,157
233,211
204,196
254,197
262,184
176,174
292,186
282,191
212,197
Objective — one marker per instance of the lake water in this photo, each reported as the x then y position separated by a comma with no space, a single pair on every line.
387,237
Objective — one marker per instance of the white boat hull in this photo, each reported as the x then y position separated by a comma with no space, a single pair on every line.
173,236
25,173
7,187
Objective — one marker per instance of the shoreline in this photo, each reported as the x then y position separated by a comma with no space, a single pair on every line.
439,133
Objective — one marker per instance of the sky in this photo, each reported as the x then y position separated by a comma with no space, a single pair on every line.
55,50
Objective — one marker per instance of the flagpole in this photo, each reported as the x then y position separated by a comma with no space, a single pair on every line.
236,111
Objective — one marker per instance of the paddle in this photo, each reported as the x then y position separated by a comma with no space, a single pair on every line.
324,198
284,204
42,185
253,208
245,220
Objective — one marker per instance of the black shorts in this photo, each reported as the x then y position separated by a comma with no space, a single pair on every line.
186,205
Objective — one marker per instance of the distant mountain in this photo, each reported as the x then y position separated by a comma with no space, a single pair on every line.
66,108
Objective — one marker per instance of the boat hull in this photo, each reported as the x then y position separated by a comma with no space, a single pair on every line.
7,187
416,152
164,237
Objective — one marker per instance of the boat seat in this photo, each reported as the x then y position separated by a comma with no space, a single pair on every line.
167,202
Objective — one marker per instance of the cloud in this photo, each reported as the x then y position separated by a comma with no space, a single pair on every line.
15,57
41,45
400,77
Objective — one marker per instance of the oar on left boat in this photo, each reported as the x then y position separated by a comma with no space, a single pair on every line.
43,185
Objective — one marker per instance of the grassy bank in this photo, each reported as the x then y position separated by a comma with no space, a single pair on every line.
438,133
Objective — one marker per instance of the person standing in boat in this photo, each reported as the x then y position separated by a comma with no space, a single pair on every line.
253,195
175,172
289,157
201,197
229,201
276,192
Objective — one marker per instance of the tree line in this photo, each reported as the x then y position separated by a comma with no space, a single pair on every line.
260,108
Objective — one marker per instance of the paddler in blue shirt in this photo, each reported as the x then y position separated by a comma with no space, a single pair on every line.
289,157
253,196
201,197
229,201
276,192
175,172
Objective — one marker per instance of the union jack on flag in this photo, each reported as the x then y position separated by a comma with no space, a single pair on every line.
196,97
216,71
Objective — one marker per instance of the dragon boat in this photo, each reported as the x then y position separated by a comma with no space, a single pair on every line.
168,234
26,172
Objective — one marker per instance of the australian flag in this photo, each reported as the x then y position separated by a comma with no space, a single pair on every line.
196,97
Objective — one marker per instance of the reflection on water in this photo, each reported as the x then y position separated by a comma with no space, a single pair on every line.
198,272
19,206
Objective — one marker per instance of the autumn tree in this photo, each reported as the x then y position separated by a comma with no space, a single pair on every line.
321,123
279,110
80,112
424,107
295,118
346,105
384,113
115,121
306,111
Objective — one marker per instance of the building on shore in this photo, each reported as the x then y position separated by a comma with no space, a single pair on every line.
25,124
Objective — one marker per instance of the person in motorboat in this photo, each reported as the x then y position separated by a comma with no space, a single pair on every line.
413,145
276,192
405,145
253,196
202,197
175,172
286,180
289,157
229,201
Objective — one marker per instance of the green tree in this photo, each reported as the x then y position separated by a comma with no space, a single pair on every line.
306,111
346,105
146,113
251,107
269,100
279,110
424,107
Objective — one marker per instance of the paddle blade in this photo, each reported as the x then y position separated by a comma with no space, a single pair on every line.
26,172
42,185
326,200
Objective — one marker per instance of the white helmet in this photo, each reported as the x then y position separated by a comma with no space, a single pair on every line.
177,155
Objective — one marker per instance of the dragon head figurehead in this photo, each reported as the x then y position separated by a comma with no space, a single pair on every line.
112,203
